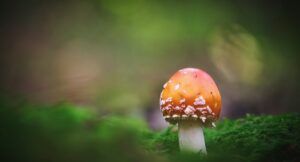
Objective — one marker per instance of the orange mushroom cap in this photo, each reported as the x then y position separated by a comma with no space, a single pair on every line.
190,94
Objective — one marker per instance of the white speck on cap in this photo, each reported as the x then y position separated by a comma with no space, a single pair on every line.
199,101
175,116
176,86
208,109
195,116
167,116
182,101
169,99
201,109
189,110
213,124
183,71
184,116
162,102
165,108
177,108
165,85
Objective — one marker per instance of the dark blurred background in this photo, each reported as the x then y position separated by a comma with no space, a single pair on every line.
114,56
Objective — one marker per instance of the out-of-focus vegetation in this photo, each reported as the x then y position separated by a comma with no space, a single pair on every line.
116,54
64,132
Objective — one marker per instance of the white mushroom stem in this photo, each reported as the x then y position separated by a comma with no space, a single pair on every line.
191,137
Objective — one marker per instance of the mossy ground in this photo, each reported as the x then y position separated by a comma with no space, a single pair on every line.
67,133
253,138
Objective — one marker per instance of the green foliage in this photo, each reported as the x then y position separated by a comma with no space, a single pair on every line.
263,138
64,132
253,138
67,133
164,142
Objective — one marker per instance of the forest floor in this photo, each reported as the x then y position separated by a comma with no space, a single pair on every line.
65,132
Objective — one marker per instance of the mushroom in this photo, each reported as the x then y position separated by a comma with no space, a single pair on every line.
192,100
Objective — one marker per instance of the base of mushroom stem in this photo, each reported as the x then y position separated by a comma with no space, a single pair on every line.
191,137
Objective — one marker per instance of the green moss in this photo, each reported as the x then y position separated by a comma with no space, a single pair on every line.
165,142
64,132
253,138
258,137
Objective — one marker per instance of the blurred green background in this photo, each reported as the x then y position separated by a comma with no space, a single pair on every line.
111,57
